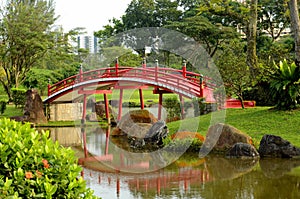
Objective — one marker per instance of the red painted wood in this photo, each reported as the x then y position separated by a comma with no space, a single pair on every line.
170,77
106,108
120,105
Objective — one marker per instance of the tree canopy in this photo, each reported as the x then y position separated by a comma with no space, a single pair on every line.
24,37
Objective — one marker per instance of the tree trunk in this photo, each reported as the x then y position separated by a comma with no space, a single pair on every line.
295,24
7,89
251,38
242,101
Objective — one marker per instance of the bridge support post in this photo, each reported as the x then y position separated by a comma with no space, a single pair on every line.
106,108
83,134
182,106
120,104
144,65
156,70
201,86
141,98
107,139
159,106
83,110
116,66
184,69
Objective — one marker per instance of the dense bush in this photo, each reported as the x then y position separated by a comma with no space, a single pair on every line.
33,166
285,85
201,107
172,105
18,96
2,106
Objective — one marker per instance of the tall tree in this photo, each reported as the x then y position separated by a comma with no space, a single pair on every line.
295,24
251,33
243,16
234,70
273,18
139,14
24,37
203,31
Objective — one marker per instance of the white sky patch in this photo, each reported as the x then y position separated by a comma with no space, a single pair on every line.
89,14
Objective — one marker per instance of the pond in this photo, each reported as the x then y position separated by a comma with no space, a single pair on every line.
113,171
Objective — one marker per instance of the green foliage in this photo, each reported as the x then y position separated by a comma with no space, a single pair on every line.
233,69
33,166
172,105
273,17
201,107
24,37
198,104
2,106
39,78
187,144
18,95
255,122
286,85
204,31
125,56
273,51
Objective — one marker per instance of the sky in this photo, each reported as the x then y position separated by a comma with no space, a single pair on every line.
90,14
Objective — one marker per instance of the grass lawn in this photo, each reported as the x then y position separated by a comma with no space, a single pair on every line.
132,95
11,110
255,122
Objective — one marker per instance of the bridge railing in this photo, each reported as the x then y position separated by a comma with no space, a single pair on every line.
185,80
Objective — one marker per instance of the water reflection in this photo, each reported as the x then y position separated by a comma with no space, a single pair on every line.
187,177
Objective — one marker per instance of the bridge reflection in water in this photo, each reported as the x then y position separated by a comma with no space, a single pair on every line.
103,165
187,177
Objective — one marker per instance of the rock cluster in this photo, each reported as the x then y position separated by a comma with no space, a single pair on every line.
230,141
223,138
141,128
275,146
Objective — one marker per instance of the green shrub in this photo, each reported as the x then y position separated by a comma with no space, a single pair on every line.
182,145
285,85
33,166
2,106
172,105
18,96
201,107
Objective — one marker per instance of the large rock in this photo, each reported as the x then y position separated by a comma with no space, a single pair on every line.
33,109
153,138
157,132
135,123
242,150
221,137
275,146
141,128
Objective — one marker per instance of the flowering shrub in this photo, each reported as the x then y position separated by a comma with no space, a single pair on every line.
33,166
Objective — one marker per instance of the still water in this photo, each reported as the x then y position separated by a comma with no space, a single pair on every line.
113,171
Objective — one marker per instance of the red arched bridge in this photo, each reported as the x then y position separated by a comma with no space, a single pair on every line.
104,80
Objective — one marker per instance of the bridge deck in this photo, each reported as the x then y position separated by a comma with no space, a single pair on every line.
183,82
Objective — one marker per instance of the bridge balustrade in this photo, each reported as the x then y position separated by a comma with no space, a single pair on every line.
175,79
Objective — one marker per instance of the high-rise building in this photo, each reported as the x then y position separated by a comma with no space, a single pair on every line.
89,43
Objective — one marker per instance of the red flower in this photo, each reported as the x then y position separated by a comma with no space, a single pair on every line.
45,162
28,174
39,174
